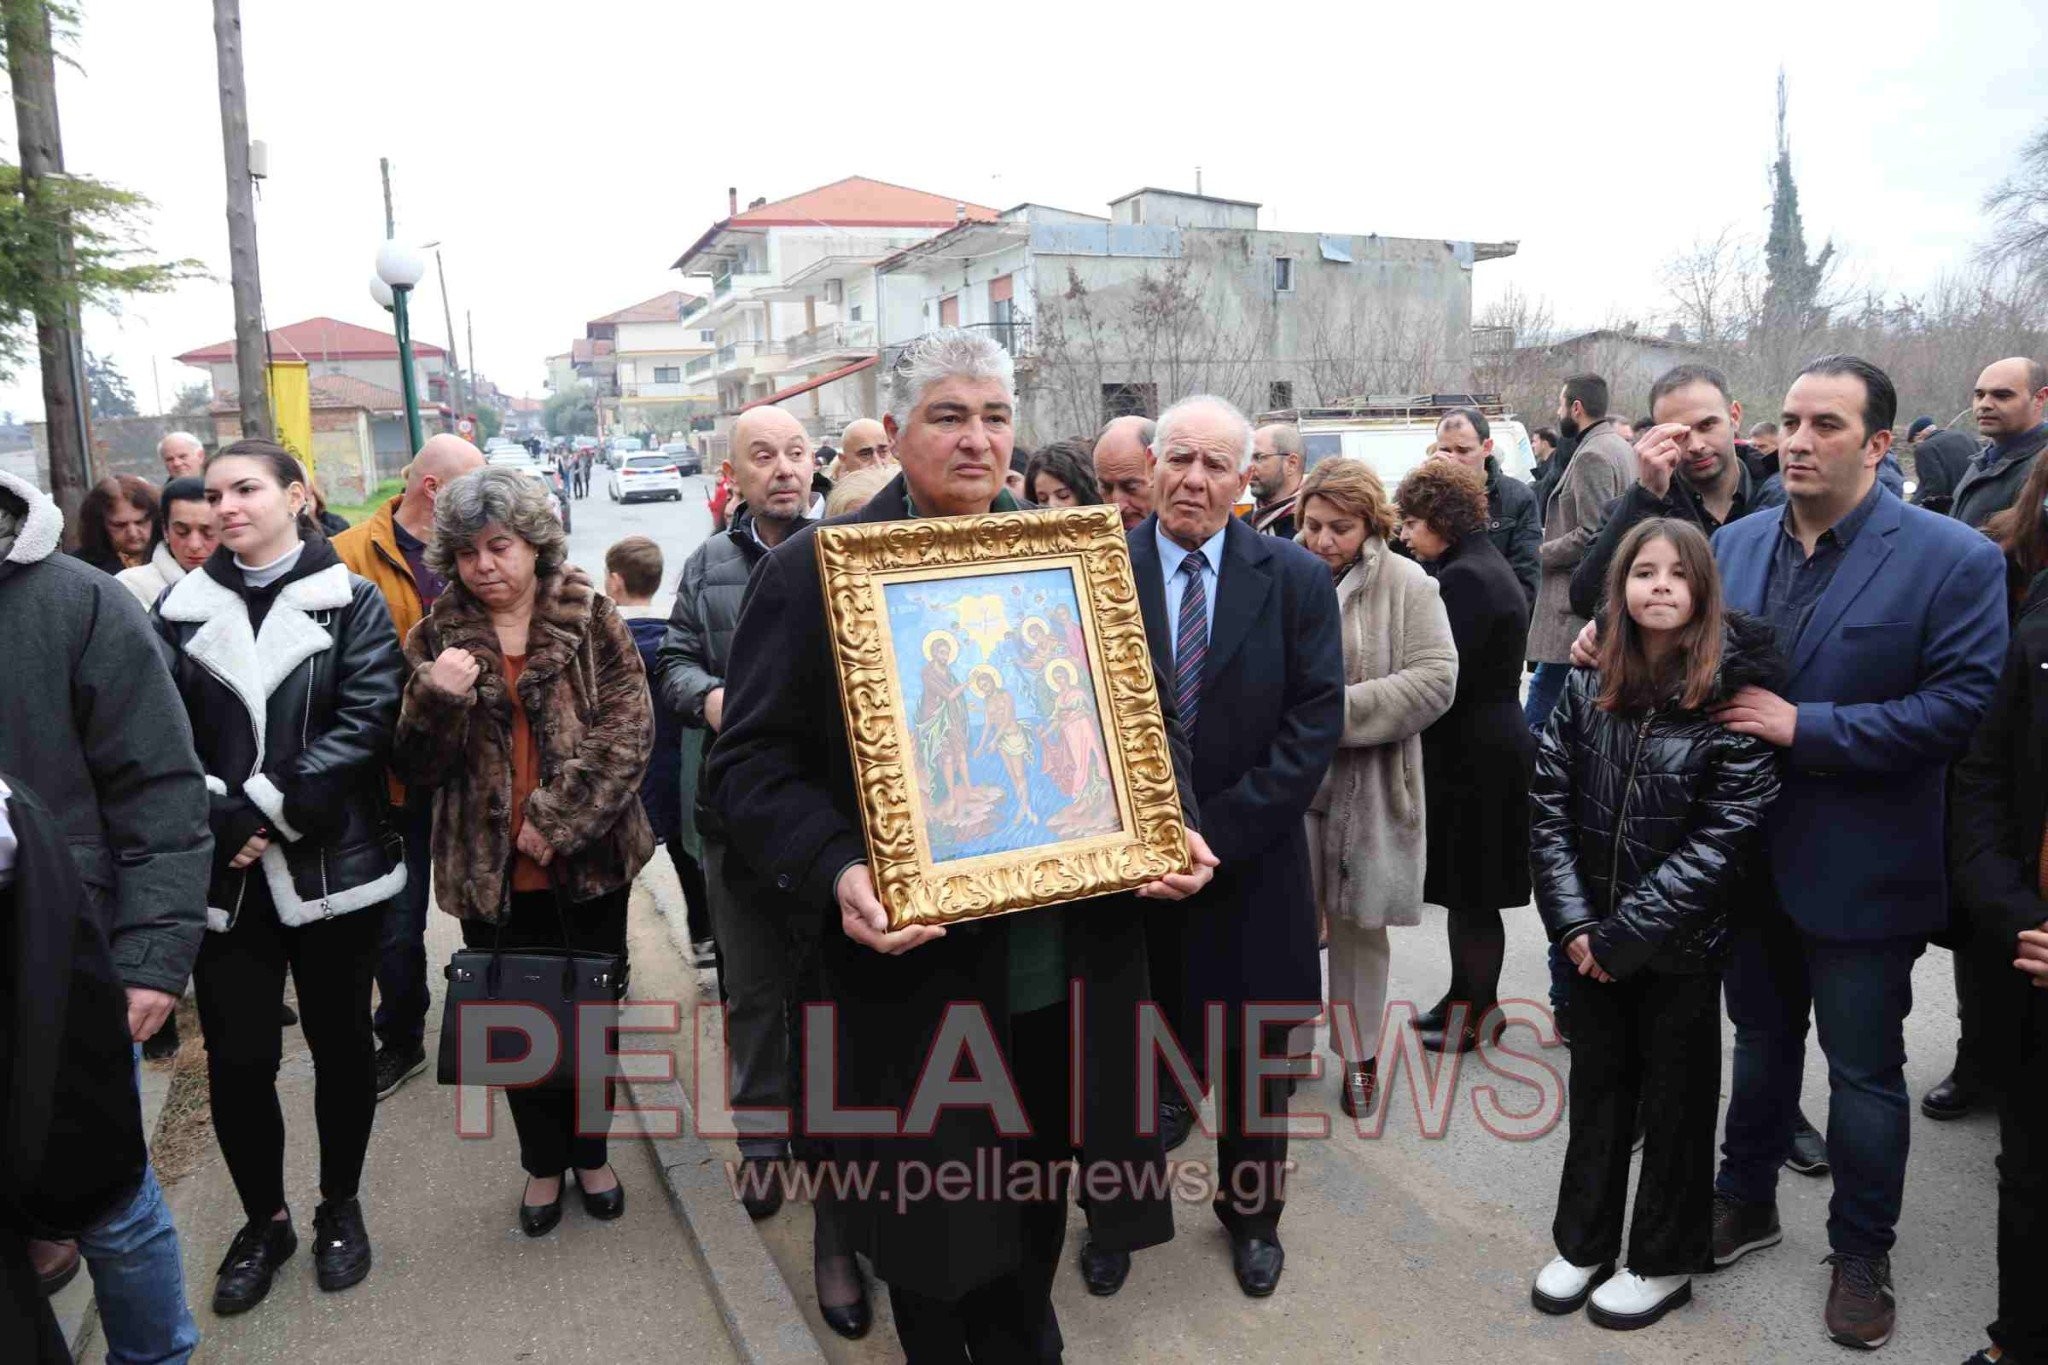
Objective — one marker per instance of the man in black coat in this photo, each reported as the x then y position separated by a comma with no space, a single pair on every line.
1940,459
2010,398
1514,523
1246,626
972,1277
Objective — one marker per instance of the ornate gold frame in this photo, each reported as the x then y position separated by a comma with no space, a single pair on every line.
855,562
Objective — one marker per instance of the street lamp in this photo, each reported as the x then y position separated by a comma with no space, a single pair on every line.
399,268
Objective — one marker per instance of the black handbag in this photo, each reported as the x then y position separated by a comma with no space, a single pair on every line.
574,989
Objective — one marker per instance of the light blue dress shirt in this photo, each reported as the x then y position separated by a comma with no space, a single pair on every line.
1170,558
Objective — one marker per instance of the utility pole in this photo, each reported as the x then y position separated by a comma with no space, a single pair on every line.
390,223
469,326
242,266
32,68
454,360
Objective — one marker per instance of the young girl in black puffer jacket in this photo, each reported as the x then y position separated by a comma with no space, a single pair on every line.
1647,819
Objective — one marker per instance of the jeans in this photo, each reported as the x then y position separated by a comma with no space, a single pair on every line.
1860,994
138,1281
1546,685
2022,1327
1649,1044
401,1018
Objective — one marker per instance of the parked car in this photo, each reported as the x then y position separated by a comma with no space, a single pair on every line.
646,476
1394,435
687,460
534,467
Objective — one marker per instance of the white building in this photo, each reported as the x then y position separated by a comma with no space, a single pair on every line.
1176,293
652,344
795,298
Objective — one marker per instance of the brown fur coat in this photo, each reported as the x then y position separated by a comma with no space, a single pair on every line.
585,694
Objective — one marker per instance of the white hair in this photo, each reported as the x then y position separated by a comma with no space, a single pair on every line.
1163,434
949,353
171,436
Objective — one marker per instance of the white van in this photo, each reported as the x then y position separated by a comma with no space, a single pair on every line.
1394,435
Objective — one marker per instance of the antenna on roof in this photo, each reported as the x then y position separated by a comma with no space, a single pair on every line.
959,213
1198,180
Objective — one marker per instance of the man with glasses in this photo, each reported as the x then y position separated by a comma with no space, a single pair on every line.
1276,473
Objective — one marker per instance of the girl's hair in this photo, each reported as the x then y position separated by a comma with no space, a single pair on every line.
2019,529
283,466
1353,489
1072,463
104,496
1627,682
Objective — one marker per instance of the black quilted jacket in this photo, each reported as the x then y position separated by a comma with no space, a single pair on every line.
1647,826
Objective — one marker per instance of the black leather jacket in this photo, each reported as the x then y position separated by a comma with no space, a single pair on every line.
1646,827
293,725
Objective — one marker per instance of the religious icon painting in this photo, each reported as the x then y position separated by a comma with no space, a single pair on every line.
1004,723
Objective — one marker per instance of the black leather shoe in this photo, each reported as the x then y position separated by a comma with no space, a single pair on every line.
538,1220
1437,1040
604,1205
1258,1264
761,1186
1103,1271
1807,1153
1432,1019
1951,1099
341,1244
163,1044
252,1260
1176,1121
852,1320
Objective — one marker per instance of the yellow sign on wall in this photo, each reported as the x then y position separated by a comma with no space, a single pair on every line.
291,403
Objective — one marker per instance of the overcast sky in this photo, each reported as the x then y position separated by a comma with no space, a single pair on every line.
566,154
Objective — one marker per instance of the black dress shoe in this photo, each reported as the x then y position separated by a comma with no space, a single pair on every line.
1807,1153
1438,1040
1176,1121
252,1260
761,1186
1432,1019
341,1244
1103,1271
603,1205
538,1220
1951,1099
1258,1264
852,1320
163,1044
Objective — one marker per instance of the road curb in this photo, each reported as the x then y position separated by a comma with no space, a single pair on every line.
761,1315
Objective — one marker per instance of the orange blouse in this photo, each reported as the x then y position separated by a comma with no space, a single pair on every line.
527,875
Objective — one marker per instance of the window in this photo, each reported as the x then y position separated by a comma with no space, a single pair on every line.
949,311
1129,400
1283,274
1280,394
668,374
853,313
707,336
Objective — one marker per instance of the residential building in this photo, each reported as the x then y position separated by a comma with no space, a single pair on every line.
1174,293
359,434
561,373
653,342
795,300
338,350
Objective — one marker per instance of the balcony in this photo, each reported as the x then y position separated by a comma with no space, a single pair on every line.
700,368
833,339
1013,336
723,285
738,356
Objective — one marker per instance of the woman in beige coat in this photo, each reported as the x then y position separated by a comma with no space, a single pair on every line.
1365,834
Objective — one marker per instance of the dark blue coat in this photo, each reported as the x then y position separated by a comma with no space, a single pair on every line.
660,790
1896,667
1271,714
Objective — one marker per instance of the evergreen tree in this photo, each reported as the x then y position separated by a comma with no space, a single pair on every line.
1792,287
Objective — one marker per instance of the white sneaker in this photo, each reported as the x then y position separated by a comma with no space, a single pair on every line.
1629,1300
1561,1286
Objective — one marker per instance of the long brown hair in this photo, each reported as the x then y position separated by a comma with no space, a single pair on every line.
103,498
1628,682
2019,529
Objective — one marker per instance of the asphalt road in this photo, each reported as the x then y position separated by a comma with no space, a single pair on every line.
678,527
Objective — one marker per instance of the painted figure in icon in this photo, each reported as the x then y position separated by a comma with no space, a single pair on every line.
1073,755
942,724
1001,732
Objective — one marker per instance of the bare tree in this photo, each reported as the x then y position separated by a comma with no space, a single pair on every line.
2019,213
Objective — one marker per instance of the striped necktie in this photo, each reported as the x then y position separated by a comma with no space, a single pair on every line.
1191,643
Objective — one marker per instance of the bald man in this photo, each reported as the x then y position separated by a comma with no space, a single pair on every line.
2009,399
863,445
182,455
1124,467
389,548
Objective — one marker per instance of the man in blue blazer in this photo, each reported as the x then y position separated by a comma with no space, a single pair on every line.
1244,626
1893,622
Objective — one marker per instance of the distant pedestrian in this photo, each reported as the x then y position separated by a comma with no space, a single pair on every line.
1648,819
527,714
183,456
289,671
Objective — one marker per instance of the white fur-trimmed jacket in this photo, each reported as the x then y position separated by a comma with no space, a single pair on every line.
293,725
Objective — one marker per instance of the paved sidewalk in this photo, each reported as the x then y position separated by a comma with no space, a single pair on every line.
454,1279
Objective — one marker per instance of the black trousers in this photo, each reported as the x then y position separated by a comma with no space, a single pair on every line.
1991,1006
549,1142
1250,1188
1654,1041
239,980
1009,1321
2022,1326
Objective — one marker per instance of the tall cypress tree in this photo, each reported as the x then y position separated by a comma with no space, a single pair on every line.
1792,285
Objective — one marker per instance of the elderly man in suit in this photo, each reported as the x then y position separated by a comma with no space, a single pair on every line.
1893,621
1246,627
969,1278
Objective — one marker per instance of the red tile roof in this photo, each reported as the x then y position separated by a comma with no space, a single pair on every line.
661,308
340,391
317,339
853,202
818,383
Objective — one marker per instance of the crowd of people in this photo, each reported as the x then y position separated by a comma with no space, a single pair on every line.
1748,724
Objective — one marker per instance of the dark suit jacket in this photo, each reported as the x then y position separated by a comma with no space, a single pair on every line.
781,776
1895,669
1272,712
